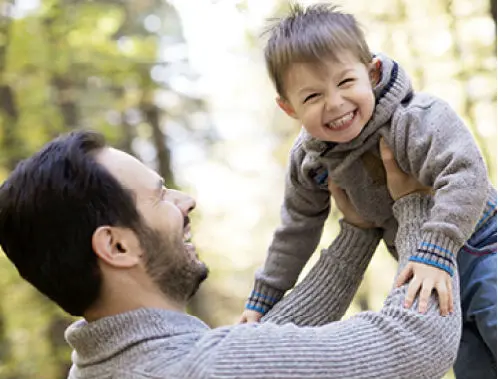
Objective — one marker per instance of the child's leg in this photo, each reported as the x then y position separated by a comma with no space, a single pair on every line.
477,268
474,359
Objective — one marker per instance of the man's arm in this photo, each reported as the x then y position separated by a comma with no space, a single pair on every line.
330,286
393,343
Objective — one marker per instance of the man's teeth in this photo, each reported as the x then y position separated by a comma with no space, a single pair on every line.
341,121
187,237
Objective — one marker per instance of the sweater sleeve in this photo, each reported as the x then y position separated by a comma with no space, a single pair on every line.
431,142
393,343
303,213
339,271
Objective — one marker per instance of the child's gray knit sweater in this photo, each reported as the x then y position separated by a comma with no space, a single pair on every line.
392,343
429,141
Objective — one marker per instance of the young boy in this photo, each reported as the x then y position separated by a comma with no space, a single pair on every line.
347,100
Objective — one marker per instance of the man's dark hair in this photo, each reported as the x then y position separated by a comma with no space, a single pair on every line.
50,206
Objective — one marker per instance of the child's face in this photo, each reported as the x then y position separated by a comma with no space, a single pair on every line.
333,100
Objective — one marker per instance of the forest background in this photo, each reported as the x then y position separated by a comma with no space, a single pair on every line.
182,85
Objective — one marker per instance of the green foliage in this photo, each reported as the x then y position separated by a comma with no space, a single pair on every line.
65,65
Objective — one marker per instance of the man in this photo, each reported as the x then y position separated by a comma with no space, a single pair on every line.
97,232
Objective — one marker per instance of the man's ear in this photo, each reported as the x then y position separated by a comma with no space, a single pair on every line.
286,107
116,246
375,71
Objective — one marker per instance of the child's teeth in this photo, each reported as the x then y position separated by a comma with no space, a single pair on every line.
340,122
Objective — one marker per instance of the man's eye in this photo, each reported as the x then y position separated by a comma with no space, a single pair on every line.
309,97
345,81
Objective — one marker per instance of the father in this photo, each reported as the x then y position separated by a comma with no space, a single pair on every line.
97,232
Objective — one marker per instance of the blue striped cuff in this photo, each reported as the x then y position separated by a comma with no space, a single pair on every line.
438,251
263,298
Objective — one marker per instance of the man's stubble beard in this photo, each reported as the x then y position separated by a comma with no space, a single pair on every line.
177,274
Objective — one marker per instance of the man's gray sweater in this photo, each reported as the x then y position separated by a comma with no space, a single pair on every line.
297,338
429,141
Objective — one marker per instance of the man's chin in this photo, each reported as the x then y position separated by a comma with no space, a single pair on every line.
202,275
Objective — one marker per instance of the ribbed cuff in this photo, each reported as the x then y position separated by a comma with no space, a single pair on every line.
437,250
489,209
350,240
413,206
263,297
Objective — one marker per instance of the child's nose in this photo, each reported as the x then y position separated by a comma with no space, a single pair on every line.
334,101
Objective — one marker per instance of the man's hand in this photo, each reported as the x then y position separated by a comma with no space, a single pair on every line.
348,210
399,183
426,278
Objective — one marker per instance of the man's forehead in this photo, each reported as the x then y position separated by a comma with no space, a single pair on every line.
127,169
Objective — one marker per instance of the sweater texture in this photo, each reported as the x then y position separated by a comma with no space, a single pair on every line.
297,338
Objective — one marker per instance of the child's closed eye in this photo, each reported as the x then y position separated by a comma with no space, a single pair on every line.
310,97
346,81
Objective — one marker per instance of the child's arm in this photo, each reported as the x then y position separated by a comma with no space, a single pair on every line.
431,142
303,213
352,250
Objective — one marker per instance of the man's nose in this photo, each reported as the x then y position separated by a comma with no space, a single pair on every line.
183,201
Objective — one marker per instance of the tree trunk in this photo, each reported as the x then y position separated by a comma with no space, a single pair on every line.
152,116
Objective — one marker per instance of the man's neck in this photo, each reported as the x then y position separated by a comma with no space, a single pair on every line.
122,302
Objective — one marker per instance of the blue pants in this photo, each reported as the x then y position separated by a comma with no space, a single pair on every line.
477,268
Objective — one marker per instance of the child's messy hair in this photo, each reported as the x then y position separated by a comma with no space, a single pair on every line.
311,34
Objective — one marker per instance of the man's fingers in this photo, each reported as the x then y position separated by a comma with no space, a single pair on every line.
412,291
387,157
444,298
333,188
404,276
339,195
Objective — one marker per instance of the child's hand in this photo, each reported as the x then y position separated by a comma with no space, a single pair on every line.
250,316
426,278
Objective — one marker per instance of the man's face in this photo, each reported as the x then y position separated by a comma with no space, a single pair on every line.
170,258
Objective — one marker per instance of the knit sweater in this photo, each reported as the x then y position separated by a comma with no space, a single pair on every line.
296,338
428,140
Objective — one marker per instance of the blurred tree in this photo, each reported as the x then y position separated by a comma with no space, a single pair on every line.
80,64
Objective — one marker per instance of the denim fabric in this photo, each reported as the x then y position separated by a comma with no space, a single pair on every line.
477,268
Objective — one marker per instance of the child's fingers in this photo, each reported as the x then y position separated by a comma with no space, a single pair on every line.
243,319
444,298
425,294
411,292
404,276
449,285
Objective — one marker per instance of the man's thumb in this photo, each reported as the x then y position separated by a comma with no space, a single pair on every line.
387,156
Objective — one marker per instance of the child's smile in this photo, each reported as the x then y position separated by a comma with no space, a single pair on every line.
333,100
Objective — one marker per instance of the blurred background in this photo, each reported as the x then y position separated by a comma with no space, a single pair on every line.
181,84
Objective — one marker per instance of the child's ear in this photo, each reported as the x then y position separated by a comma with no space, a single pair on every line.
286,107
374,71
